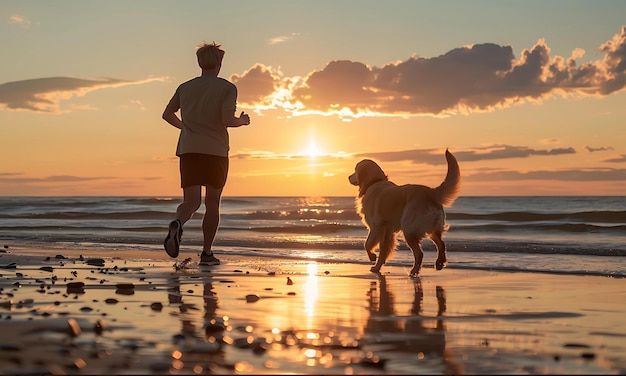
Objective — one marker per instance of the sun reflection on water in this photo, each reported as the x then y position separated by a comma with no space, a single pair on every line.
310,289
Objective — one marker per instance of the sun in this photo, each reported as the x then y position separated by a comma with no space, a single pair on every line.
312,151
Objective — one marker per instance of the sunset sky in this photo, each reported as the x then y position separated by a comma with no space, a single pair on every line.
528,95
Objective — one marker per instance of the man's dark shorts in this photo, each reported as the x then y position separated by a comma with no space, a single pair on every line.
203,169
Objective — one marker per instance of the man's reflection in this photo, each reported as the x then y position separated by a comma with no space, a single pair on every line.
210,303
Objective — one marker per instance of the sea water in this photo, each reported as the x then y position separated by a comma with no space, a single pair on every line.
568,235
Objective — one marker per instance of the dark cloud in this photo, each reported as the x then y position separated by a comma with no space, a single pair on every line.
603,148
255,85
591,174
480,77
436,156
44,94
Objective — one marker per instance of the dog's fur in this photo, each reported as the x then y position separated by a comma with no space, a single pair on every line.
416,210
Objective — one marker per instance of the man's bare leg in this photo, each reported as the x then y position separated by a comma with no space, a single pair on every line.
192,198
211,219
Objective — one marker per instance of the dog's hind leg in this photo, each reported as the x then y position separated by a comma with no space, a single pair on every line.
386,248
441,250
415,243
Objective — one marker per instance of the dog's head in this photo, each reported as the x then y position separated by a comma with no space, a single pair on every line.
366,173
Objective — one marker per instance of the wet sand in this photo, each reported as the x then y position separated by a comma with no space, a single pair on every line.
84,312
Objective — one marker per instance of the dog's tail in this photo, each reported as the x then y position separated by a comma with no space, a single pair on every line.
449,189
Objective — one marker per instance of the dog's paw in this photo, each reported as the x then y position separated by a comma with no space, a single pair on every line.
372,256
374,269
440,265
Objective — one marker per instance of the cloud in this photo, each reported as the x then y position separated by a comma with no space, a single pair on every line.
18,178
281,39
268,155
492,152
475,78
603,148
45,94
592,174
19,20
618,159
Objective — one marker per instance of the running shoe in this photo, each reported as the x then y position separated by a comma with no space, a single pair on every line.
172,240
208,259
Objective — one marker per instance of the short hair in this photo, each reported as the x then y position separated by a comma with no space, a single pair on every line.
209,55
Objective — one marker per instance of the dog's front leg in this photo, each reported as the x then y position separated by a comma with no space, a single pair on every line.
370,243
379,264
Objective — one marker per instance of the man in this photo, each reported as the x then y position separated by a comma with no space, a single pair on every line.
207,108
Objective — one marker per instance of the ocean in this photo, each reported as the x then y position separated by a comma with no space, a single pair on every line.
566,235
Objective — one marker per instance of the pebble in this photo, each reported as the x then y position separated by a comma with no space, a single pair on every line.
576,345
156,306
289,281
251,298
46,268
75,287
588,355
27,302
111,301
95,261
125,289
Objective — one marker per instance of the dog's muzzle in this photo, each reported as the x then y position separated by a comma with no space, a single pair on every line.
352,179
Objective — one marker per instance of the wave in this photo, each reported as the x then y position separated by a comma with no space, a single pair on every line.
320,214
606,216
146,214
561,227
243,223
326,228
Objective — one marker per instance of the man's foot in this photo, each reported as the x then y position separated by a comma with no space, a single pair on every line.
172,240
208,259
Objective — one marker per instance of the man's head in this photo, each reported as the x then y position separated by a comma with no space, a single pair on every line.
209,55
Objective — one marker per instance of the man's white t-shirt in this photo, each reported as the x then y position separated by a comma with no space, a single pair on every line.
201,101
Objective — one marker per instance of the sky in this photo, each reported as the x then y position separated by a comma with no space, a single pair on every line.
528,95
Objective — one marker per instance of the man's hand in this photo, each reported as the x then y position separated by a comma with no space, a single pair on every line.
244,118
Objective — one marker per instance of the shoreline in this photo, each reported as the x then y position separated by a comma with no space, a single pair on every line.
275,315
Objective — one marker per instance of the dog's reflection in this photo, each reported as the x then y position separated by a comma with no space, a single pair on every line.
415,333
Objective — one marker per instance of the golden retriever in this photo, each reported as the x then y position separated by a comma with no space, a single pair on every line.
416,210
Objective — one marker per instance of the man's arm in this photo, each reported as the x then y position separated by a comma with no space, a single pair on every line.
230,120
170,116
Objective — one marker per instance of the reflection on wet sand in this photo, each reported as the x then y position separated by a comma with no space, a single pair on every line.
391,334
197,347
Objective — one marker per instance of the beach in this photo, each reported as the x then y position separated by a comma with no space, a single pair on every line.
94,311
